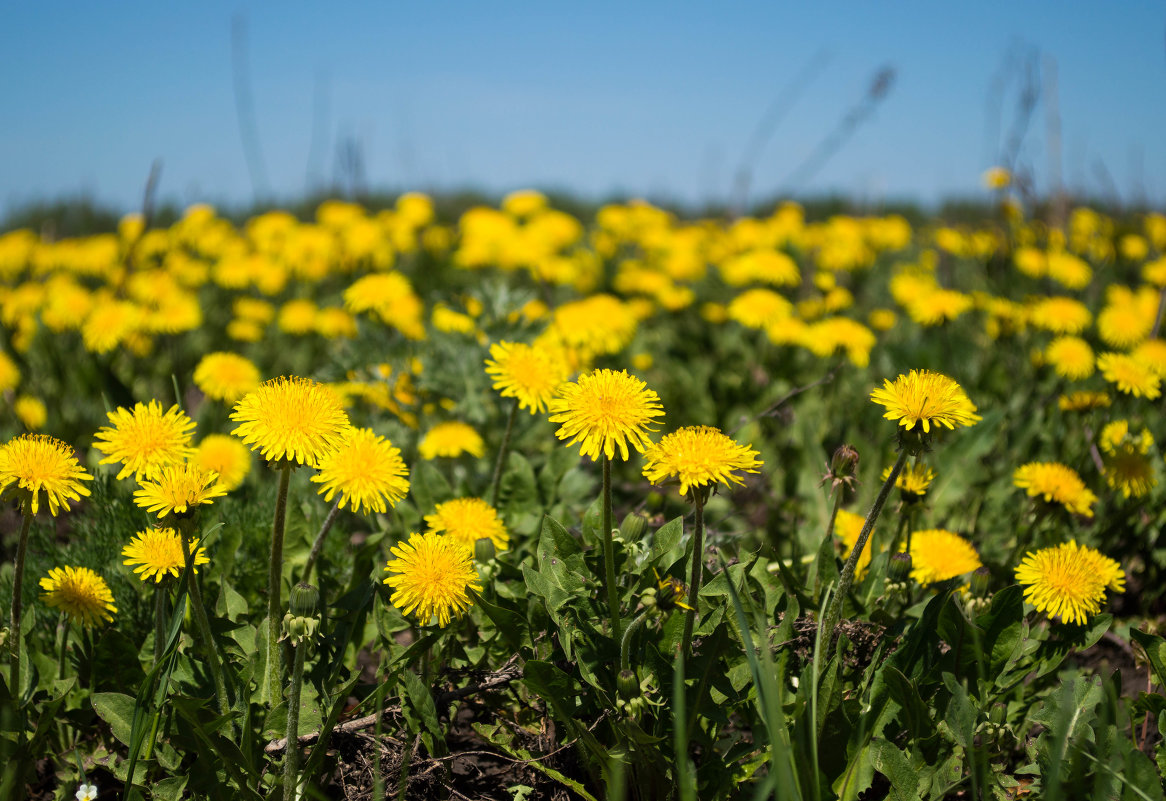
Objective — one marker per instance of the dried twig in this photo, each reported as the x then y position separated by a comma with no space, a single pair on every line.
509,672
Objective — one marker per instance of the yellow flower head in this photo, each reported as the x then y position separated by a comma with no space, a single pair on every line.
1068,580
1055,483
925,398
226,456
847,527
451,439
366,470
1060,315
157,553
35,463
468,520
291,418
529,373
226,377
1071,357
698,456
79,593
145,439
1131,375
177,489
913,480
432,576
938,555
31,411
1083,401
9,373
604,409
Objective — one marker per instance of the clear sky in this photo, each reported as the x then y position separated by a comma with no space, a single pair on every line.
654,98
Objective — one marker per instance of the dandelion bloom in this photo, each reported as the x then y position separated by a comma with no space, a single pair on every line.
698,456
604,409
79,593
157,553
938,555
1131,375
1083,401
366,470
1071,357
31,411
847,526
291,418
1068,580
226,377
225,455
1060,315
37,463
145,439
1127,468
468,520
531,374
913,479
431,575
1056,483
925,398
177,489
450,440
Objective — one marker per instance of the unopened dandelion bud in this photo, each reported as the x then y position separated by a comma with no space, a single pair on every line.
900,568
305,600
627,685
997,714
845,462
633,527
981,582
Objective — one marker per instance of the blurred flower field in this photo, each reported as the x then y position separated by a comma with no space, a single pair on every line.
518,505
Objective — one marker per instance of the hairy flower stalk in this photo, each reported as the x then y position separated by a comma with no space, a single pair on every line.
847,577
273,675
18,603
318,543
609,553
698,499
201,622
496,483
300,625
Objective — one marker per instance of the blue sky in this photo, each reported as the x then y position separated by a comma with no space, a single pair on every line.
654,98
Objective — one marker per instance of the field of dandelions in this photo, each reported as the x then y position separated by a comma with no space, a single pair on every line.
517,505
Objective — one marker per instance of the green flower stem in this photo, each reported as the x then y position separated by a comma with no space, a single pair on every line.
625,644
838,493
202,624
609,553
63,648
273,676
904,516
318,543
160,592
18,604
847,578
292,752
697,566
496,483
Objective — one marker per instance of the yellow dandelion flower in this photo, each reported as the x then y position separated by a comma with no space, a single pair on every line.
1060,315
1067,581
530,374
80,593
758,308
1131,375
226,377
1083,401
145,439
1152,353
1117,437
938,555
291,418
157,553
9,373
1071,357
31,411
996,178
913,480
432,576
468,520
605,409
1055,483
451,439
698,456
1130,473
177,489
366,470
35,463
847,527
297,317
226,456
925,398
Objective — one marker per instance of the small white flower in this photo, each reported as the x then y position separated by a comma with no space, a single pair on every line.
86,792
